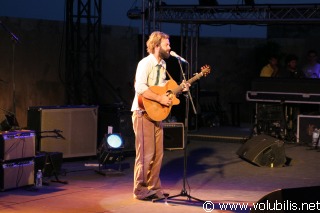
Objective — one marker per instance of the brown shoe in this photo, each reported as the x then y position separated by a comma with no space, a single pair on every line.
145,194
159,195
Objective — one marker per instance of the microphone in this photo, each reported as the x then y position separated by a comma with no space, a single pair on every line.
174,54
57,131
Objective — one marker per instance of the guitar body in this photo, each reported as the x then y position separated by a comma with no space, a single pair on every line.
159,112
155,110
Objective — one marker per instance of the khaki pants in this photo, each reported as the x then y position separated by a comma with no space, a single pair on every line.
149,153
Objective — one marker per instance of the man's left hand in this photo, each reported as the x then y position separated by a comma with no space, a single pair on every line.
185,86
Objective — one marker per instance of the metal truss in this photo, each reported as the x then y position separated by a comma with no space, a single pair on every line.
190,17
149,23
83,55
239,14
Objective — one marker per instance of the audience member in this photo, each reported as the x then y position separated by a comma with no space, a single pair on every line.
271,69
291,68
312,68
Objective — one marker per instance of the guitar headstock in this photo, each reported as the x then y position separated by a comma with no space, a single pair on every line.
205,70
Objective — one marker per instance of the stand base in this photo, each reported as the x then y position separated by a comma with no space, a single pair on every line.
109,172
183,193
57,180
60,181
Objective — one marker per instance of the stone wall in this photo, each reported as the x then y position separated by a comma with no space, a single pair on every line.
31,70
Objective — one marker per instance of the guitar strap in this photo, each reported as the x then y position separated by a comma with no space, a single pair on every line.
169,74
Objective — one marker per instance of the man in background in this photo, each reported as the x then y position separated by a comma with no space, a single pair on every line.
271,69
312,68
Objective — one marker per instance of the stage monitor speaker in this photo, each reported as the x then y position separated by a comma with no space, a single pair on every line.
15,174
173,136
263,150
302,199
16,145
49,162
76,125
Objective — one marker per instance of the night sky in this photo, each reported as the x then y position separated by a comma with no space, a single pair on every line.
115,13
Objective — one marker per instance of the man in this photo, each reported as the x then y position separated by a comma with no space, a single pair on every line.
312,69
151,71
291,69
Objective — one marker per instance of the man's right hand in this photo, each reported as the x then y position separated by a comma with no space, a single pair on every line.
166,99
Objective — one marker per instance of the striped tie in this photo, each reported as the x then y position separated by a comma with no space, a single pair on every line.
158,74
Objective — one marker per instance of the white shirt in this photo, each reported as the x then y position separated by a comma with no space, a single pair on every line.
146,75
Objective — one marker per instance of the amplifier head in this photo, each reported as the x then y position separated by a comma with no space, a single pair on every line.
17,145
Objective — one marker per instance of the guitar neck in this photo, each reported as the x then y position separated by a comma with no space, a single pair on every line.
190,81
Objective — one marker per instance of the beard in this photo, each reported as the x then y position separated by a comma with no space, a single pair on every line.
163,54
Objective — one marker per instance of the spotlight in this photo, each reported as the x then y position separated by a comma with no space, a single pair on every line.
110,151
113,141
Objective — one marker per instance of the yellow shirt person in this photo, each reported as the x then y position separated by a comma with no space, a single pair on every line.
271,69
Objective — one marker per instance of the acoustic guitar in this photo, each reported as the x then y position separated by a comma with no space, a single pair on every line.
159,112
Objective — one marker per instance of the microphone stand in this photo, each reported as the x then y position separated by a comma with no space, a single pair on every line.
184,192
6,111
15,40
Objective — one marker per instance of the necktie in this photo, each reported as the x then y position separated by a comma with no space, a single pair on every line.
158,74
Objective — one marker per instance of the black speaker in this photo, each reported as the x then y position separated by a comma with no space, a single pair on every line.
263,150
49,163
173,136
301,199
126,130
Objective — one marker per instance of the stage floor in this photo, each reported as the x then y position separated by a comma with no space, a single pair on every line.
214,173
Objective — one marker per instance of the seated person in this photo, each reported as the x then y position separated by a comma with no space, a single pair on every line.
312,68
291,69
271,69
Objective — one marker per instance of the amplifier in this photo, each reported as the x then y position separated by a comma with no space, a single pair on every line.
173,136
16,174
16,145
77,124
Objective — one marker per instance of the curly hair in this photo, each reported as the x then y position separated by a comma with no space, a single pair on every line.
155,40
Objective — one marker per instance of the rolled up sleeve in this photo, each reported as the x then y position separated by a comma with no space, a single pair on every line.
141,84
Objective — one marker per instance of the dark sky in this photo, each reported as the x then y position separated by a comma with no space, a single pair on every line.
115,13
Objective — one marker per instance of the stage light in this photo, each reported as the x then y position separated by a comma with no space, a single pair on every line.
114,141
9,123
134,13
110,151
